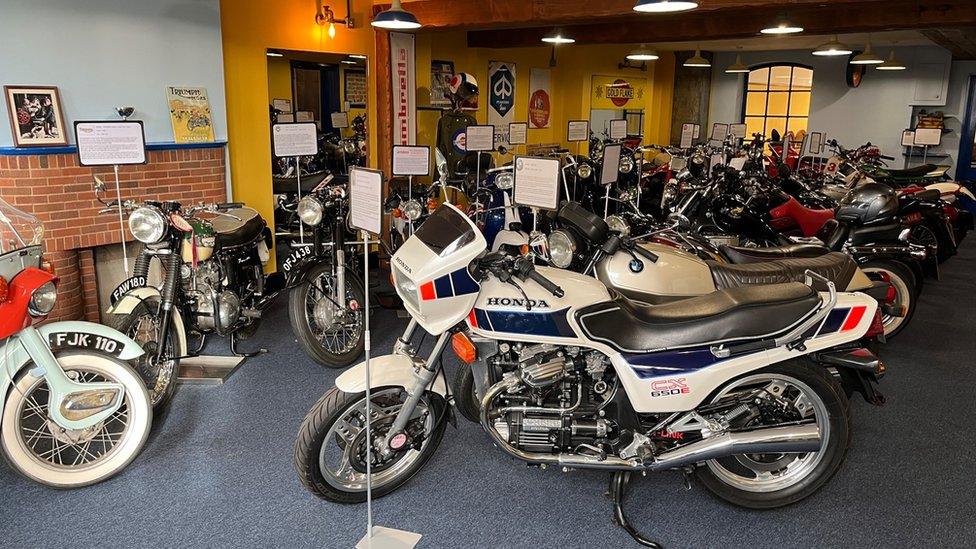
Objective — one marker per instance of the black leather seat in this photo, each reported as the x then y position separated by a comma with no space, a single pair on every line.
741,255
928,195
241,226
749,312
917,171
834,266
288,185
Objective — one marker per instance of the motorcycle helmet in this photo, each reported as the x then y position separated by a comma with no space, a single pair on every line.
868,203
463,86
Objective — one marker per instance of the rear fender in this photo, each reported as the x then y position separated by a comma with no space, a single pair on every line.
385,371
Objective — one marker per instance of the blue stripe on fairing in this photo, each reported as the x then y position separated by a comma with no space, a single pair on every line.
482,318
463,283
443,287
669,363
834,320
551,324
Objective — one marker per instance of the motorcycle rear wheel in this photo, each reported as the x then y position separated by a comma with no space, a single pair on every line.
40,450
768,481
335,427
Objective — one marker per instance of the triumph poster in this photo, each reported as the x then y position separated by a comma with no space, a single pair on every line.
404,73
501,98
189,111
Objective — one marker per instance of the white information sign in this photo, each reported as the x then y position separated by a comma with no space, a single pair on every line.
537,182
697,131
297,139
716,160
687,135
738,130
286,117
366,200
816,142
411,160
908,138
719,131
518,133
738,163
578,130
480,138
618,128
304,116
340,120
283,105
611,164
928,136
110,143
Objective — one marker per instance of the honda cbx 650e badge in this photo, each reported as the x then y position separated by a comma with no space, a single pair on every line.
518,302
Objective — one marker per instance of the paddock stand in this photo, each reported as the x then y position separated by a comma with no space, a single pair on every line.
619,482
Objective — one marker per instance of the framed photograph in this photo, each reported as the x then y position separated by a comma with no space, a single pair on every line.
35,115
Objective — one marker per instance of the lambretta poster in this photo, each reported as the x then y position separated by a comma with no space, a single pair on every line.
189,111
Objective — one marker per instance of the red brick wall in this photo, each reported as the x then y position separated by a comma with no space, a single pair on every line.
59,192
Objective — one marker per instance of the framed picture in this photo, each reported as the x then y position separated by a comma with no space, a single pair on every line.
35,115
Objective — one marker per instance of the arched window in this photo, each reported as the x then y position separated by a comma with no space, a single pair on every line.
778,97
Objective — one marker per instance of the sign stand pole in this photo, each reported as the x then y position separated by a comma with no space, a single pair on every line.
118,196
366,349
925,154
298,176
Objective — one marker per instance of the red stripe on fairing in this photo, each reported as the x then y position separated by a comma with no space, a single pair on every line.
854,318
472,319
427,291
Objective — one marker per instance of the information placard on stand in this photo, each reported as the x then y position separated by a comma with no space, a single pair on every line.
518,133
578,130
410,160
611,164
618,128
366,200
928,137
719,131
816,142
298,139
537,182
908,138
697,131
687,135
340,120
738,131
479,138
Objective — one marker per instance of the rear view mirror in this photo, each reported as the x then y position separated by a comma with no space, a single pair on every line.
98,185
441,161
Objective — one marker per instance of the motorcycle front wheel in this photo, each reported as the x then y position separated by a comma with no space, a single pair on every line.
70,458
799,390
331,335
160,376
330,451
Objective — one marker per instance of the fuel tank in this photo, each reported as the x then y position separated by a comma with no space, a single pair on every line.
676,275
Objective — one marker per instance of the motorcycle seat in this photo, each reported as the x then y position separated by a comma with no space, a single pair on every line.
909,173
245,226
741,255
834,266
747,312
289,185
928,195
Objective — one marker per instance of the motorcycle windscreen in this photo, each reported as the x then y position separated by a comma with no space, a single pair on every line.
430,270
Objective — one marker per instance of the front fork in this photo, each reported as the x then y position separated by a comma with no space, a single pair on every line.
339,266
167,301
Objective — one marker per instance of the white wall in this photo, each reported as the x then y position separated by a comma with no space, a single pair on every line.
878,111
108,53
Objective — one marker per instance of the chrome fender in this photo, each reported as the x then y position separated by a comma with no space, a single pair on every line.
384,371
134,297
30,345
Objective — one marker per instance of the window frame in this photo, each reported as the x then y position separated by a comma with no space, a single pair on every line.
789,92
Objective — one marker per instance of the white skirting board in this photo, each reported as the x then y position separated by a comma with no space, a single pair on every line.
208,370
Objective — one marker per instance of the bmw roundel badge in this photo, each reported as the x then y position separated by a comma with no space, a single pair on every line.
636,265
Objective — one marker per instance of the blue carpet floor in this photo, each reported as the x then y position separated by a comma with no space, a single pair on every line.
218,470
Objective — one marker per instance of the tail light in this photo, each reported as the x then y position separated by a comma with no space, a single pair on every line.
4,289
877,326
464,348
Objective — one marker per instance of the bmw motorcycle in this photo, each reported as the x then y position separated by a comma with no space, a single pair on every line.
746,388
73,412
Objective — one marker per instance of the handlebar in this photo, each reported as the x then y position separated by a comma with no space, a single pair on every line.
549,285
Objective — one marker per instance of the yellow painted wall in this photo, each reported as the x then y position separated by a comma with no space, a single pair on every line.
279,78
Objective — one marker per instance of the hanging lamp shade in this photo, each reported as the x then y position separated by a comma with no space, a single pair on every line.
782,26
643,54
833,48
697,61
557,38
892,64
396,18
738,67
867,58
664,6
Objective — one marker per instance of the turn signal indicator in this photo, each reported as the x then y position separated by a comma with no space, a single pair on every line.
464,348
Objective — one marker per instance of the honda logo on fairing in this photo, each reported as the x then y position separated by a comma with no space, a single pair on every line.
403,264
518,302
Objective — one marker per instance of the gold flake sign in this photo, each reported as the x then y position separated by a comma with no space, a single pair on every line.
617,92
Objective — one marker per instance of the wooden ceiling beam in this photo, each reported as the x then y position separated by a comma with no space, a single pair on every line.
835,18
961,42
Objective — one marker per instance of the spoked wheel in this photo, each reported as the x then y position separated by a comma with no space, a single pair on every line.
332,335
330,453
787,393
42,450
899,304
160,376
924,235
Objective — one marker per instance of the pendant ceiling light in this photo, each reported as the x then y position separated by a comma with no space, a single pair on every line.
664,6
834,48
643,54
867,58
396,18
892,64
738,67
782,26
557,37
698,61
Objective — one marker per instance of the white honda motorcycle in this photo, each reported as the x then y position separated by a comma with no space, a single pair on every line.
746,387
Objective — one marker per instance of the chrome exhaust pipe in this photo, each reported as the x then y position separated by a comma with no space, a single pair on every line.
767,440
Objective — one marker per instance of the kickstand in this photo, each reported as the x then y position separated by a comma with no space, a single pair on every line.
233,348
619,480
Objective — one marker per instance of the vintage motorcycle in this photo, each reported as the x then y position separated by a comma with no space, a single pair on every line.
74,413
745,387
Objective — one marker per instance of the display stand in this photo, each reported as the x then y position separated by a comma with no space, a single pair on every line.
410,161
927,137
339,121
366,215
536,186
518,134
608,172
479,139
578,131
112,143
297,139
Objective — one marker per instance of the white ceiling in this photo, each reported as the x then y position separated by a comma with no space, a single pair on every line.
799,42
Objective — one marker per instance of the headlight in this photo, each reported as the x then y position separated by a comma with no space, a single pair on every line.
411,210
626,164
505,181
405,288
618,224
148,224
310,210
42,302
349,147
562,247
584,171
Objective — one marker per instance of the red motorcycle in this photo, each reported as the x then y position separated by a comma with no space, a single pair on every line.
73,412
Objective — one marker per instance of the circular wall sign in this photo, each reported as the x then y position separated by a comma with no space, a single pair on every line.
855,73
